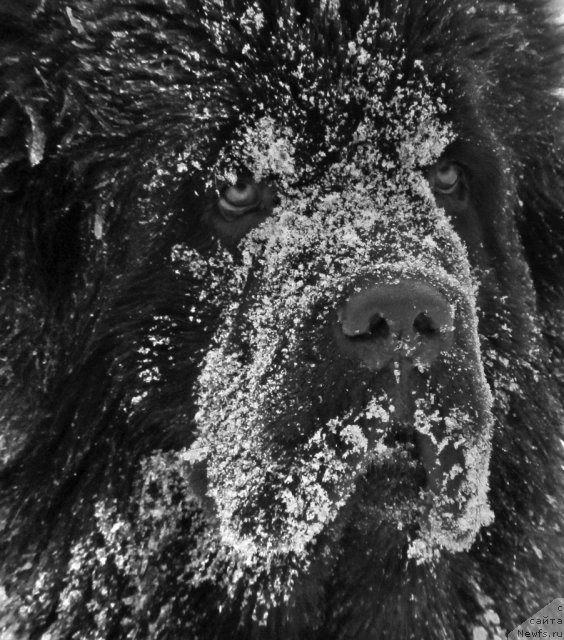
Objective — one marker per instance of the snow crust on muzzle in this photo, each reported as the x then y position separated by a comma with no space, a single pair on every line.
366,217
301,262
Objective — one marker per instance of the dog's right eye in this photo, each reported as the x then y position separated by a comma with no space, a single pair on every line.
239,199
239,208
241,195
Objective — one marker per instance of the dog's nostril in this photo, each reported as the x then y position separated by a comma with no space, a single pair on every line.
378,327
424,325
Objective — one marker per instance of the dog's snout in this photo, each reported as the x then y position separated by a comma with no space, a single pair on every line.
408,320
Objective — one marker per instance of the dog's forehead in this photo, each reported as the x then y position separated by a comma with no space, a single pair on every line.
298,70
354,105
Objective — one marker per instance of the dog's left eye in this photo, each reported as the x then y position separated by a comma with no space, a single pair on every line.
240,198
240,207
446,177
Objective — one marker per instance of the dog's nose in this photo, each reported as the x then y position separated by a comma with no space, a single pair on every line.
408,320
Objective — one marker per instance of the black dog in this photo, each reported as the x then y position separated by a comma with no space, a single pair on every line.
281,318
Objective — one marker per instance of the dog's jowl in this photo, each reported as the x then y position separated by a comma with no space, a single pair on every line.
281,307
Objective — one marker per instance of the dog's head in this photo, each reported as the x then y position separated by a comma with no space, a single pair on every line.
306,249
364,220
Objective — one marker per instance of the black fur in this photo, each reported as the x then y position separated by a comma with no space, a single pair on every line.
105,535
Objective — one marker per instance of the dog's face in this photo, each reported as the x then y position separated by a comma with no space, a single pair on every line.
273,285
362,228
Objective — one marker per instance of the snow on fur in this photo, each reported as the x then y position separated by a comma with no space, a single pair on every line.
367,216
370,218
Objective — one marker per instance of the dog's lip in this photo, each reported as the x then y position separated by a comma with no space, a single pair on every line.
401,466
395,441
398,444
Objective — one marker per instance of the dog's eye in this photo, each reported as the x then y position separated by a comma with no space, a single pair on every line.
240,207
446,177
240,198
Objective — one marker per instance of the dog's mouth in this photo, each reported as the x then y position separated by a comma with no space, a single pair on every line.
392,487
412,437
422,467
405,469
290,443
395,467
